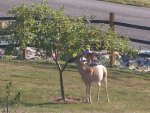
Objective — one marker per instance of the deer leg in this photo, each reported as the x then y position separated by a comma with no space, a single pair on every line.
106,90
90,100
99,86
87,93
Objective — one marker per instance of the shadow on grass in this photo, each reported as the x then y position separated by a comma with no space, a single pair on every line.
1,101
56,102
42,104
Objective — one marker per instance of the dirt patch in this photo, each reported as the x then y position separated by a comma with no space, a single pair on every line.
68,100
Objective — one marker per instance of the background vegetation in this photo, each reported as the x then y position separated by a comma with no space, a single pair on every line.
129,91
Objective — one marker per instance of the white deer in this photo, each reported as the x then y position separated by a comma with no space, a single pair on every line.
92,74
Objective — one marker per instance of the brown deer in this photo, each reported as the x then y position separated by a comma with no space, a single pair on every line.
92,74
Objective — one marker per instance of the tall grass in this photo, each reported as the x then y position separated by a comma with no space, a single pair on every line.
129,91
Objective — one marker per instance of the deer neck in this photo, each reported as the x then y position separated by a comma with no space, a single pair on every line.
80,66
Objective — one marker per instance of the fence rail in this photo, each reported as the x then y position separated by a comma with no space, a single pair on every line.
7,18
110,22
121,24
96,22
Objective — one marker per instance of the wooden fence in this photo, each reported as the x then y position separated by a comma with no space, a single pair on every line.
111,23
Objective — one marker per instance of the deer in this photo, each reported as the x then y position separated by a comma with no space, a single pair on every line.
92,74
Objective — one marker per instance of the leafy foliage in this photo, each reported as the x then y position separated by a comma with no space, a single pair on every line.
115,43
9,101
48,29
22,27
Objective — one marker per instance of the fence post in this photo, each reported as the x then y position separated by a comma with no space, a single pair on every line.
112,27
112,21
1,24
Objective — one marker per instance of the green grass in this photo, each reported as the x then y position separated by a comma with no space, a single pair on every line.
129,91
143,3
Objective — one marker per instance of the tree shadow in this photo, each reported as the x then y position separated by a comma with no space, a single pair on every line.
57,102
41,104
1,101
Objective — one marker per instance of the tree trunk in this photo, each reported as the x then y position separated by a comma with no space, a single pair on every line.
112,59
62,85
23,53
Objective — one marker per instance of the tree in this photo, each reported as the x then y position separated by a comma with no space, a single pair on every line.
61,34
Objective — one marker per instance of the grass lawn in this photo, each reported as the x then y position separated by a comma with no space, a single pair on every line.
129,91
143,3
